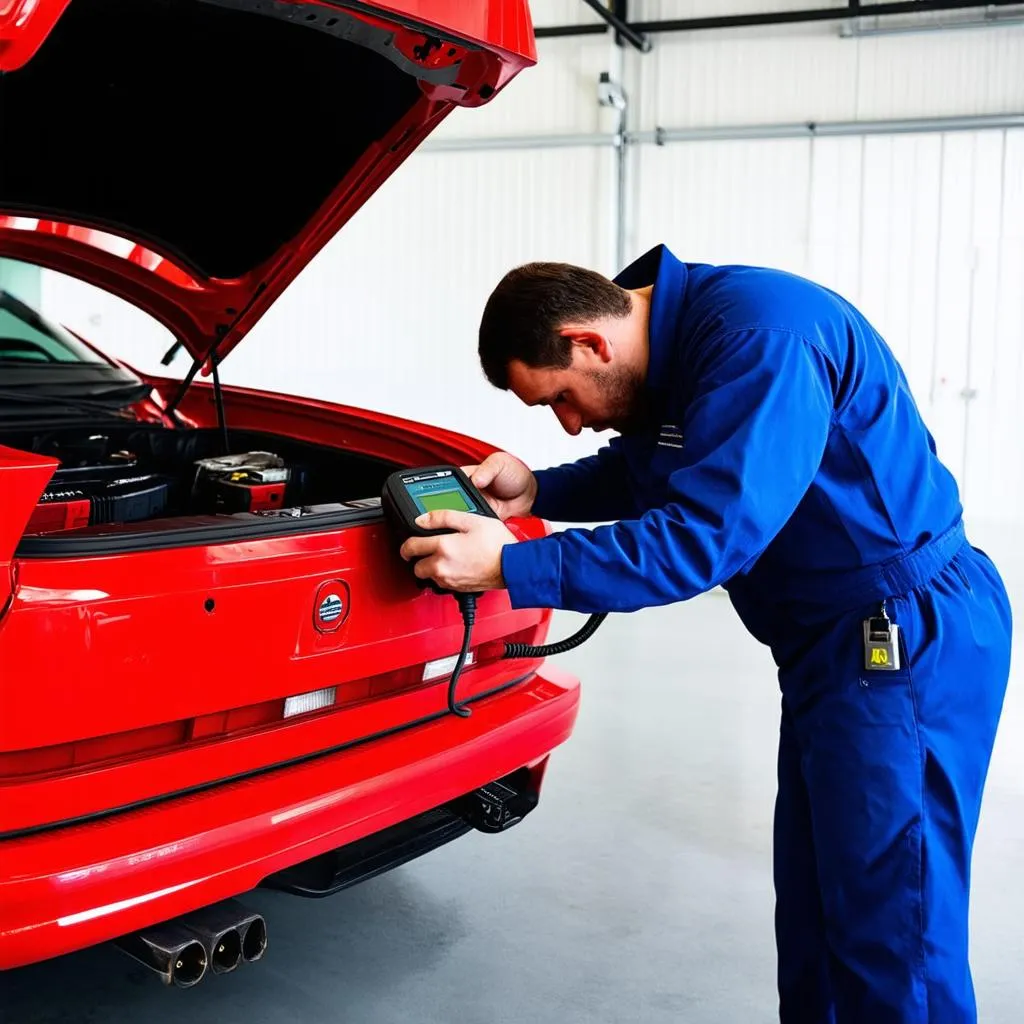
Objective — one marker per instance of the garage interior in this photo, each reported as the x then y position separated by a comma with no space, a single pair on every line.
877,149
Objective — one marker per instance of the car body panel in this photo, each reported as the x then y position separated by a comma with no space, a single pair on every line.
73,888
229,626
22,479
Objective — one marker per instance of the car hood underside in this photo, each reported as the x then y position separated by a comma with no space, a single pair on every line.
193,155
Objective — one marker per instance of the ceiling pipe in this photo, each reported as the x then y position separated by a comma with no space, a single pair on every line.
853,9
732,133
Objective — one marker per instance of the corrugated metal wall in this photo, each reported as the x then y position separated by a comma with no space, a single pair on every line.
926,232
810,73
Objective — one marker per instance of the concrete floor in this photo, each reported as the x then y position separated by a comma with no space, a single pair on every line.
640,890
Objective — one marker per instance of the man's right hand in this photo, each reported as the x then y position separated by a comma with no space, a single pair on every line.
506,483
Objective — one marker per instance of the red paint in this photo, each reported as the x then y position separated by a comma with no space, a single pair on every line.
130,677
59,515
162,670
64,891
24,24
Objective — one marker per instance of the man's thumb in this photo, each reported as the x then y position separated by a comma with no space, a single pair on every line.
445,519
484,474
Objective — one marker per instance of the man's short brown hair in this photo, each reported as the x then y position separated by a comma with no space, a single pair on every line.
531,305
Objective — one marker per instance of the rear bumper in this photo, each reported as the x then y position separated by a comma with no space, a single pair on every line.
75,887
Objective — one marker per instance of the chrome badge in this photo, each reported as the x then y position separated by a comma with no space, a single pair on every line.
331,606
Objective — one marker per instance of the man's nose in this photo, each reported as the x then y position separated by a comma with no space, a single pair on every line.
572,421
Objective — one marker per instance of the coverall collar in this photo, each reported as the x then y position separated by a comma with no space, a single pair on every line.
661,268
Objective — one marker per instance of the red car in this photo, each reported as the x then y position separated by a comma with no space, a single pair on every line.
215,671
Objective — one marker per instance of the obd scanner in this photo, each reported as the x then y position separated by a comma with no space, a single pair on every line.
411,493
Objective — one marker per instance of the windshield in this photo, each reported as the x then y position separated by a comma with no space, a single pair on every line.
26,338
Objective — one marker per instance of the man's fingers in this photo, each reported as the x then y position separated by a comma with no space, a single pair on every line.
419,547
447,519
426,568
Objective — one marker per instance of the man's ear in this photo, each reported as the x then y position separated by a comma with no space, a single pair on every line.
590,343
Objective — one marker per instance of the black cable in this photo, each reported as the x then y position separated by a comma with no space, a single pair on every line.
467,605
546,650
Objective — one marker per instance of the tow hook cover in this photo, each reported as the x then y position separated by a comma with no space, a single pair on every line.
496,807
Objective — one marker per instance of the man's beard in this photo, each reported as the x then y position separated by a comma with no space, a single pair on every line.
623,389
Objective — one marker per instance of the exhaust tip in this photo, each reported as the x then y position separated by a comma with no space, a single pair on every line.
188,966
227,952
170,952
254,940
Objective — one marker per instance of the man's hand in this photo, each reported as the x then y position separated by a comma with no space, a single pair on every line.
506,483
468,560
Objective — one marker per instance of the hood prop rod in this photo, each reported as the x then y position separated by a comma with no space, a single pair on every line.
185,384
219,398
217,393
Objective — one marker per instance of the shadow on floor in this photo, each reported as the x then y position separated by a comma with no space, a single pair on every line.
325,955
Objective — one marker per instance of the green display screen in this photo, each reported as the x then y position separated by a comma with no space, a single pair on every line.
445,499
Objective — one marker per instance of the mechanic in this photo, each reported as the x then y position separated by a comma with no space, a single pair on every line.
768,442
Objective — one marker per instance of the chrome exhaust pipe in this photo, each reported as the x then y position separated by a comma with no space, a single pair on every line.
170,951
229,932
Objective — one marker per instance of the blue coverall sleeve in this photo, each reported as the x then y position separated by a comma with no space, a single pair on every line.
755,430
589,490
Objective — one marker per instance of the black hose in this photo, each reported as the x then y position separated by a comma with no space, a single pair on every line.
581,636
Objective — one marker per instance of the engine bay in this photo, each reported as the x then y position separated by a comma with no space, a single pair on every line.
119,475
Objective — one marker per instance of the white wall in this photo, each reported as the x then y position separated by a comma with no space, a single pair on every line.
387,317
809,73
926,233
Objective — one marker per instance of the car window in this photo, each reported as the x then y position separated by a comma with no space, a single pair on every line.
26,338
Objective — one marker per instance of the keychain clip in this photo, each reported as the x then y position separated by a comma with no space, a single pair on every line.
881,643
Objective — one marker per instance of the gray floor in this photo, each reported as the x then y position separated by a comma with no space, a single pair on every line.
640,890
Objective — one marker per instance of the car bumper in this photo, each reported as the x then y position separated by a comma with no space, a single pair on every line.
74,887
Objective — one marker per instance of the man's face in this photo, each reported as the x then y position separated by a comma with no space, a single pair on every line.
591,393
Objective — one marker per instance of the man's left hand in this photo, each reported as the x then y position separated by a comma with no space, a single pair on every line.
468,560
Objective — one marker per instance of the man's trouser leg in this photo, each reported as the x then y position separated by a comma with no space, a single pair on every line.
805,991
894,765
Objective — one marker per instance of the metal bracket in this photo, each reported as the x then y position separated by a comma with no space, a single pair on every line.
609,93
638,40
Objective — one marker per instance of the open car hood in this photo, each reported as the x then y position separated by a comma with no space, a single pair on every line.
192,156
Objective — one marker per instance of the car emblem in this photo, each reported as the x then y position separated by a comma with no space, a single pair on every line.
331,606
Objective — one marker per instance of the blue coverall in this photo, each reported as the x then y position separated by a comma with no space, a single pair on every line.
790,465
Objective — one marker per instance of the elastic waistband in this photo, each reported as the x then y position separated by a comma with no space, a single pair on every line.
851,588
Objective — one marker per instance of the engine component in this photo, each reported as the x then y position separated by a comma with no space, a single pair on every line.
251,482
87,496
